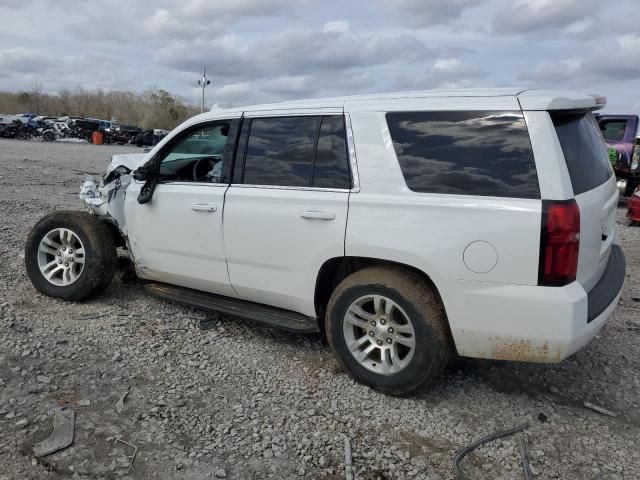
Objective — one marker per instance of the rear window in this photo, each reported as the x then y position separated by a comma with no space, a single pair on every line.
584,150
485,153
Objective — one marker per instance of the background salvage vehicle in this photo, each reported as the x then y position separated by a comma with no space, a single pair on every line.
622,138
421,269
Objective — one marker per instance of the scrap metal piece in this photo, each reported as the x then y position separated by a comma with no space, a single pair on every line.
600,409
348,465
208,323
525,457
20,328
62,435
120,402
471,447
135,452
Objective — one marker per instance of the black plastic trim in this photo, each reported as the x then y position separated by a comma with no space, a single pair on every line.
272,316
609,285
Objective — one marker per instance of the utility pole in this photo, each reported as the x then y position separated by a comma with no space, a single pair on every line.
203,83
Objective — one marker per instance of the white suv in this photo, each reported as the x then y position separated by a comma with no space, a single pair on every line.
407,227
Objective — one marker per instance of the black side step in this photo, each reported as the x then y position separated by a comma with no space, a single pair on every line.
274,317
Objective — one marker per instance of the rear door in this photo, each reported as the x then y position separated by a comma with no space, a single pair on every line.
286,210
595,190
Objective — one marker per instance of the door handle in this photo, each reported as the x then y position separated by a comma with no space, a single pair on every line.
316,215
203,207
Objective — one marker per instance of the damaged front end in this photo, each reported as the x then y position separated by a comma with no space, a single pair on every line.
105,198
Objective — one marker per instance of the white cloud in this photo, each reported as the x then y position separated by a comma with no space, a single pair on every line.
267,50
429,12
525,16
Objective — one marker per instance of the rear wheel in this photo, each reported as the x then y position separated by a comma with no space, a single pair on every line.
48,136
388,329
70,255
22,134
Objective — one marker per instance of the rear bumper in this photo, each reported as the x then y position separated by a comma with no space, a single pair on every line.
530,323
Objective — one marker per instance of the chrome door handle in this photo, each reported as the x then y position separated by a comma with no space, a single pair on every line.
203,207
315,215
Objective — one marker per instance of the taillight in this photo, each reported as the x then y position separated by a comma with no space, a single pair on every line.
559,243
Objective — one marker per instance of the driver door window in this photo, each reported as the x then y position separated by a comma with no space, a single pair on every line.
198,156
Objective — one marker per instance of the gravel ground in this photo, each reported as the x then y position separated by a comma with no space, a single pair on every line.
243,401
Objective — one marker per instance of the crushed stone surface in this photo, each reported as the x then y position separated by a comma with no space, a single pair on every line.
241,401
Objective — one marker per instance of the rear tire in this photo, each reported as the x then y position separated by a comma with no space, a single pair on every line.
78,274
407,303
48,136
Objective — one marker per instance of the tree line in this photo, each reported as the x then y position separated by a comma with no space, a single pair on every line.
153,108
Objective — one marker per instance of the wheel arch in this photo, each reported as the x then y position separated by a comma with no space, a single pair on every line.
118,238
336,269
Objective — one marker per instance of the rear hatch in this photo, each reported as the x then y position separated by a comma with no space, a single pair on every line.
595,190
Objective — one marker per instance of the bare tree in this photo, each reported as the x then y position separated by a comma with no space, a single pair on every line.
36,96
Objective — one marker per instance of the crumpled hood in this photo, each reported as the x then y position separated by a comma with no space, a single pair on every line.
129,160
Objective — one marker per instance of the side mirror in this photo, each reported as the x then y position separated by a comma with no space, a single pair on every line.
141,174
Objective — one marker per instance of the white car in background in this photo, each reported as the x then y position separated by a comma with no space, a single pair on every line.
406,227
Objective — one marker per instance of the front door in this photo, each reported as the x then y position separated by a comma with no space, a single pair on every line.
286,210
177,237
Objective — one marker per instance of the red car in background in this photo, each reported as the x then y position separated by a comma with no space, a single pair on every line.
633,213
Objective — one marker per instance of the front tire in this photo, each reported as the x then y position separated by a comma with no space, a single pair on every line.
70,255
389,330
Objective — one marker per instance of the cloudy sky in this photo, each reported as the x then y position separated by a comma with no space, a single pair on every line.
269,50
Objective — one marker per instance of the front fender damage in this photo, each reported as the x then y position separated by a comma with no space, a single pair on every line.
106,197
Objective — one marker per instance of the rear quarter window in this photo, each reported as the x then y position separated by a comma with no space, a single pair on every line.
584,150
486,153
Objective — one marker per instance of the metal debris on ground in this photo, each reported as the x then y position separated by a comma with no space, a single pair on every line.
19,328
600,409
91,317
120,402
525,456
62,435
135,452
209,322
348,465
494,436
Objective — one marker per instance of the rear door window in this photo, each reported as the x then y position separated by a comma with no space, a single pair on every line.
485,153
584,151
331,166
296,151
280,151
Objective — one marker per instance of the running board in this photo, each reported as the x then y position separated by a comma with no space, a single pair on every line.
274,317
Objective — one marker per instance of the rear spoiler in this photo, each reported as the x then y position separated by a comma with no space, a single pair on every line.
560,100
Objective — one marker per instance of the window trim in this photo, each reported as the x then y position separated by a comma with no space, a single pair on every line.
350,145
161,154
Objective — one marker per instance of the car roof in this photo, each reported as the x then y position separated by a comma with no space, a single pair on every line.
526,99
